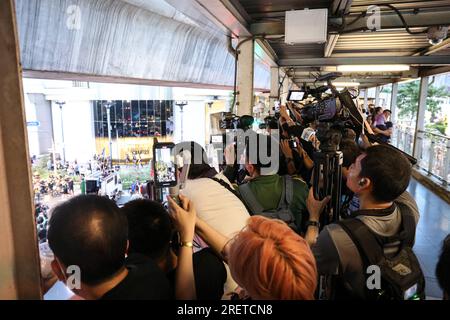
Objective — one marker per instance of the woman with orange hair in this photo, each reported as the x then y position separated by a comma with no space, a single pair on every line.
267,259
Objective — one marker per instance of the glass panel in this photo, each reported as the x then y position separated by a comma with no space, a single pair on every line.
407,105
144,129
169,127
143,110
105,129
119,110
150,110
385,96
127,111
169,109
113,113
163,128
157,128
163,110
135,110
151,128
127,131
104,116
96,129
157,107
119,129
99,110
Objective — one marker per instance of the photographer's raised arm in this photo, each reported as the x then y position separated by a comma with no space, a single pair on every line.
184,221
217,241
315,209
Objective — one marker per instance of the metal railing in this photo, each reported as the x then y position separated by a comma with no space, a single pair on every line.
434,151
403,138
435,156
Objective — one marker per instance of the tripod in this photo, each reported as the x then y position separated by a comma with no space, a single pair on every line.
327,177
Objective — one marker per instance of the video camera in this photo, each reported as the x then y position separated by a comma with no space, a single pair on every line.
335,112
231,121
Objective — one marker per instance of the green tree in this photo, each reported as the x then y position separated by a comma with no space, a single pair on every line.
408,100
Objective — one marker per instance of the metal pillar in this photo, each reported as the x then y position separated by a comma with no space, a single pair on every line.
446,164
366,99
108,106
274,84
61,104
181,104
377,96
285,90
245,78
420,121
394,99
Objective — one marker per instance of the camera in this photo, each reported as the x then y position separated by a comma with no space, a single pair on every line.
437,34
270,122
293,142
230,121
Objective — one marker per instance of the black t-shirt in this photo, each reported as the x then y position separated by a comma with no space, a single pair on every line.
143,282
209,273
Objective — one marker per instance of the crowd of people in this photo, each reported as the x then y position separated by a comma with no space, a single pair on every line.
53,185
244,233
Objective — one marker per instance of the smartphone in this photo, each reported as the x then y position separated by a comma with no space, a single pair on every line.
165,168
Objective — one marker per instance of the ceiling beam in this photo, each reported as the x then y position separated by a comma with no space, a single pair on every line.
338,7
420,60
426,72
420,20
436,48
388,21
371,80
235,19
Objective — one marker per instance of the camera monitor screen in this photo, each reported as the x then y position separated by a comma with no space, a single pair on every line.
296,95
165,167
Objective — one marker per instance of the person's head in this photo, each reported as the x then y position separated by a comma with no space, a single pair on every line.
90,232
387,114
199,166
378,110
381,173
257,154
442,268
349,134
350,151
149,228
270,261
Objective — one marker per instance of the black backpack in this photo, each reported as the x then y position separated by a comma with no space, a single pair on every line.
401,275
282,212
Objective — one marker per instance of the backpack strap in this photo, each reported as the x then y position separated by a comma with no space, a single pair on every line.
287,193
408,233
368,247
250,199
283,210
227,186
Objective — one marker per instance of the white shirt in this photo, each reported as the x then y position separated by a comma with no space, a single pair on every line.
219,208
216,205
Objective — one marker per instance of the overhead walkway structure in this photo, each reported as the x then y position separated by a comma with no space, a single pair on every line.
226,44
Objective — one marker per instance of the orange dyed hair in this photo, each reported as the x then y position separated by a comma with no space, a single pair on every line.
270,261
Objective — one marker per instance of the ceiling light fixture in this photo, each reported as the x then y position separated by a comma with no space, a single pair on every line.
373,68
344,84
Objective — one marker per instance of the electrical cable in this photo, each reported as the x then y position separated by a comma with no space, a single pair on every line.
363,14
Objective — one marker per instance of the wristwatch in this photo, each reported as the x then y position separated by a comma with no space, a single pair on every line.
313,223
188,244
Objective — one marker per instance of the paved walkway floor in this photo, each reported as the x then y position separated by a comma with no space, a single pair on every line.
433,227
